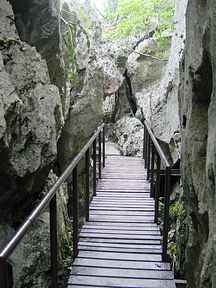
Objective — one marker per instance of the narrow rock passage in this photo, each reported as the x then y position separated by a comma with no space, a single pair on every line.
120,246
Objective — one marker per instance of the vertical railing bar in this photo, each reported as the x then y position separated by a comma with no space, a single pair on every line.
87,163
157,188
166,213
3,273
144,144
146,147
104,148
75,213
94,167
99,155
148,156
54,242
152,171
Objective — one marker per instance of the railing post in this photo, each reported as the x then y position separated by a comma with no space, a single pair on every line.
3,273
104,148
94,167
146,147
54,242
87,162
157,187
148,156
152,171
75,213
144,144
166,213
99,155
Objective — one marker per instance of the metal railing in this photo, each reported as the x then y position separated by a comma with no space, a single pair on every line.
154,156
50,199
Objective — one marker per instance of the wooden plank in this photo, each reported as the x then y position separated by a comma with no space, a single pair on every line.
126,232
143,200
120,228
119,256
109,176
118,249
143,225
120,282
120,236
120,219
119,195
122,241
130,181
121,207
117,245
125,273
154,265
122,213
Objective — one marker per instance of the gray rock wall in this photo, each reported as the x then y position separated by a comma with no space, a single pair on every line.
43,120
158,102
31,117
197,99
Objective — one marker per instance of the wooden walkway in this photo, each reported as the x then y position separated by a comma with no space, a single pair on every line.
120,245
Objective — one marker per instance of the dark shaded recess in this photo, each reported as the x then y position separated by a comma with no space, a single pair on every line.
184,121
203,81
20,192
129,93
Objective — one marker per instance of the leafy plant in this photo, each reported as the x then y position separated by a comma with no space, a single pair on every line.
132,17
69,38
176,209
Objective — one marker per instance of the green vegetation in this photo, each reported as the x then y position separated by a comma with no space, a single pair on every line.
131,17
141,16
177,215
69,38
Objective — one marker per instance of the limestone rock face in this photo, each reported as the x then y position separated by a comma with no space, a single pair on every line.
129,131
197,99
150,87
31,116
158,102
38,24
84,117
144,70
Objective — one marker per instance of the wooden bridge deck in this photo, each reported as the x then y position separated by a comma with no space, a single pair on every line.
120,245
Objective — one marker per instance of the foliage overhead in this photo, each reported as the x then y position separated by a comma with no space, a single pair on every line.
135,16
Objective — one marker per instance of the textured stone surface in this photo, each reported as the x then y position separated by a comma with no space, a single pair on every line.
85,115
129,132
150,88
31,118
158,103
197,112
109,63
38,24
144,70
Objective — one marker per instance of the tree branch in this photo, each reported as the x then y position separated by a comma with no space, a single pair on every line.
148,55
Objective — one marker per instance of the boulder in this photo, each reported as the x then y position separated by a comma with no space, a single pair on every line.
129,134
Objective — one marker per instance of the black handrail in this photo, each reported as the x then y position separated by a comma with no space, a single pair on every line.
152,150
50,198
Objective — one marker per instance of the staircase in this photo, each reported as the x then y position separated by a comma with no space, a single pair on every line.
120,245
